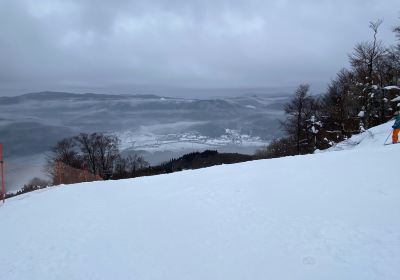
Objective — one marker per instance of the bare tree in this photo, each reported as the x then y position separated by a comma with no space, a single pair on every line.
99,152
106,153
128,167
296,110
364,61
120,168
65,152
135,163
88,149
94,153
338,109
396,30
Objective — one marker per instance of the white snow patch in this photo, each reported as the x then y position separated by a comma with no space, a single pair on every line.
392,87
396,99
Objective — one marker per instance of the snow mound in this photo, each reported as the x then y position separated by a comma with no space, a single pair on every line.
375,137
325,216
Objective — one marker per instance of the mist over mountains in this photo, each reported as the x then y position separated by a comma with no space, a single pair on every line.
158,127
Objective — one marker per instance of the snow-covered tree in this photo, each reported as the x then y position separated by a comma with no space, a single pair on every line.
314,128
299,111
364,61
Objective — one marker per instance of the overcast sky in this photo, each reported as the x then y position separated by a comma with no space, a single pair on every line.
124,46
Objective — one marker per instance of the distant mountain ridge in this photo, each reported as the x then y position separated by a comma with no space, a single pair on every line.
59,95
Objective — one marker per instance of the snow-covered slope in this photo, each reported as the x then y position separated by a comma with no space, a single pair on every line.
325,216
372,138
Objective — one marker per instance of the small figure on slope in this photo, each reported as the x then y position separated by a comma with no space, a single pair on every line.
396,127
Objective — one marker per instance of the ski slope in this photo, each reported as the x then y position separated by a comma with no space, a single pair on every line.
332,215
375,137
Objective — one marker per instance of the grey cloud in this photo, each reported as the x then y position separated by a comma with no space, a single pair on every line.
93,44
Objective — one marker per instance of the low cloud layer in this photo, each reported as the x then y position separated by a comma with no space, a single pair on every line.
121,45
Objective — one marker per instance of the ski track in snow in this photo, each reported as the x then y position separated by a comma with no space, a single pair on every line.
332,215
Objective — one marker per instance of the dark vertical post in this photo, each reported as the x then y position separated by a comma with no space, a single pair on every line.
3,187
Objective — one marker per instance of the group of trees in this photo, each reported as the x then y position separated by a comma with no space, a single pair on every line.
33,185
357,99
96,156
207,158
88,157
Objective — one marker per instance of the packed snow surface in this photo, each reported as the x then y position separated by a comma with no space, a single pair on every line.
332,215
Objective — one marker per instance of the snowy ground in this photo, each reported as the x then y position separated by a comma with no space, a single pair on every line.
332,215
